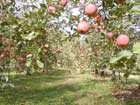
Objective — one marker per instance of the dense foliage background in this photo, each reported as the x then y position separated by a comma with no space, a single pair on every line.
96,43
40,36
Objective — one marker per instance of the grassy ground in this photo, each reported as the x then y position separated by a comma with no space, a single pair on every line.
59,88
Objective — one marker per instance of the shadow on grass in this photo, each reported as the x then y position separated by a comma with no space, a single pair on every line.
132,102
28,89
55,93
52,89
37,77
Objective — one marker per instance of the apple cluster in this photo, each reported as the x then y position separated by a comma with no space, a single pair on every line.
84,17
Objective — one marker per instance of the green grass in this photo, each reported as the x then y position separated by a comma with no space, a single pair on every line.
60,88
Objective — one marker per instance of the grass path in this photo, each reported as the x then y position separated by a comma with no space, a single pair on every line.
60,88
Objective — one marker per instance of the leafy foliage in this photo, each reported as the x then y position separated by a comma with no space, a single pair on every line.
136,48
35,37
123,54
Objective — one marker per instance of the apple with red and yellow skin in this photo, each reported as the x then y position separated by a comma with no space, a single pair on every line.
103,30
63,2
51,9
91,10
109,35
21,59
122,40
98,18
83,27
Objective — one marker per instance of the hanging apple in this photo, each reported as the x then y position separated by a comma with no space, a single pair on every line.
109,34
83,27
63,2
51,9
98,18
122,40
91,9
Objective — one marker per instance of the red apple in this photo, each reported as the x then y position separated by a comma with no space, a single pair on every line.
63,2
98,18
90,9
122,40
21,59
109,34
83,27
103,30
51,9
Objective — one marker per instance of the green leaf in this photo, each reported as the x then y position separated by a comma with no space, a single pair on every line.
30,36
40,64
39,50
28,60
114,60
123,54
136,48
28,63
